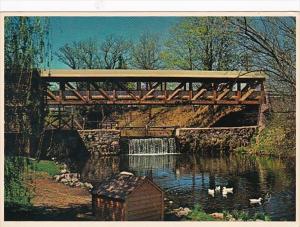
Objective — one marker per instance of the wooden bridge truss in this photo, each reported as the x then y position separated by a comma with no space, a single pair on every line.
153,87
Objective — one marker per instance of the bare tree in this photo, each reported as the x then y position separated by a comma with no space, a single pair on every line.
146,52
67,55
115,52
271,42
80,55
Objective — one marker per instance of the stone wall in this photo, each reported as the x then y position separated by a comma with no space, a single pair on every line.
101,141
211,139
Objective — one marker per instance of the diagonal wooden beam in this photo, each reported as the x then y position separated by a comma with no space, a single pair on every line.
148,93
51,123
66,122
245,96
76,92
128,92
103,93
174,94
199,94
77,123
151,91
176,91
223,94
51,95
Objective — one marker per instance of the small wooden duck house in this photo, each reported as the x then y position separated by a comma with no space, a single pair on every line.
125,197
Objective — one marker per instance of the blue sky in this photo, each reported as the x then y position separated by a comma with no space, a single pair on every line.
67,29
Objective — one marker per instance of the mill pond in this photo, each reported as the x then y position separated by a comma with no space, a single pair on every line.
186,178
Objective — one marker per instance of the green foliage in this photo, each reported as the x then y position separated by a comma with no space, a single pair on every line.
203,43
16,193
277,138
245,216
241,150
24,43
198,214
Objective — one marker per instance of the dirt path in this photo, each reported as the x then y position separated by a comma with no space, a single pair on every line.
49,193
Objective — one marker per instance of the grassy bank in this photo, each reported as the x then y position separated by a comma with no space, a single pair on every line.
198,214
19,173
277,139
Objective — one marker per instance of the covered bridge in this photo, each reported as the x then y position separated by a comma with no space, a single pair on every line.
154,87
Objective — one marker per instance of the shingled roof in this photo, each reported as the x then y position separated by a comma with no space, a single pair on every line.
118,186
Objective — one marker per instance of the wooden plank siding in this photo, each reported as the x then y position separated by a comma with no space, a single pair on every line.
107,209
145,203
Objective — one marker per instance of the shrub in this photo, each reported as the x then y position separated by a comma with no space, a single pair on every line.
198,214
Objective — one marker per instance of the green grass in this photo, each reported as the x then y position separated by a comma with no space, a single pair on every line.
45,166
198,214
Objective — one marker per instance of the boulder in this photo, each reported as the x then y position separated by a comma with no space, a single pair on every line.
217,215
88,185
182,211
78,184
63,171
64,181
57,178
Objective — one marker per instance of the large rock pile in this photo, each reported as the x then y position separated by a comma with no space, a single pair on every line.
71,179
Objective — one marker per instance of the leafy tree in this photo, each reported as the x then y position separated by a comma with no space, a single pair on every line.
202,43
146,52
25,53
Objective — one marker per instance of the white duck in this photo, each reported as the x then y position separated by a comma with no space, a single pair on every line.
254,201
211,192
218,188
227,190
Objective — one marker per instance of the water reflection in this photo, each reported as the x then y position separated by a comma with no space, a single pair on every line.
186,179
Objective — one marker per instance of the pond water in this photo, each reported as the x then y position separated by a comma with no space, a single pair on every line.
187,178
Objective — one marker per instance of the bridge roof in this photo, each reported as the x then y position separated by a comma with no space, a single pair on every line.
134,74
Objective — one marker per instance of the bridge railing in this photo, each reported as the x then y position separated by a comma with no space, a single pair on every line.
72,123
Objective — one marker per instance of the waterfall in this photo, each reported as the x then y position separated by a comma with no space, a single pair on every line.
152,146
140,163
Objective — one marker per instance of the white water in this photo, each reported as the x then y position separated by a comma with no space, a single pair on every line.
152,146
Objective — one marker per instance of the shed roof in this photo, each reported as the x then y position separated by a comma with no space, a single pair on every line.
119,186
128,73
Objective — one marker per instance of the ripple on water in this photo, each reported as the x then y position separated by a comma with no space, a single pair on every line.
186,179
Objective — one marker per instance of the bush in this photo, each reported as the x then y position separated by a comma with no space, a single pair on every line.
277,139
245,216
198,214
